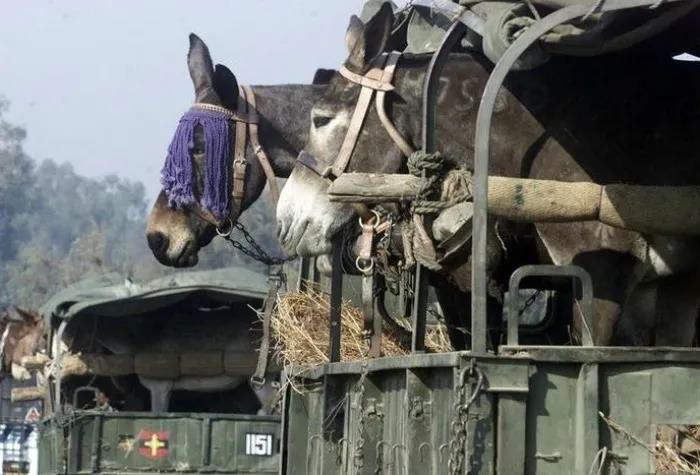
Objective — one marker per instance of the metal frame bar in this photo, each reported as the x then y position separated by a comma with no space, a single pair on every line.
336,300
57,365
429,114
575,272
482,146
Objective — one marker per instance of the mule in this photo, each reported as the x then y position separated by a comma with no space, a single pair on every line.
176,235
22,336
570,120
179,333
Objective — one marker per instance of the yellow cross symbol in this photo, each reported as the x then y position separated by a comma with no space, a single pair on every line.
154,444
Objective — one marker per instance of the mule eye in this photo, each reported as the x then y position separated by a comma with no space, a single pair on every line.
321,121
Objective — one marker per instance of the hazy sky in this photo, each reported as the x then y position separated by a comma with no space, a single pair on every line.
102,84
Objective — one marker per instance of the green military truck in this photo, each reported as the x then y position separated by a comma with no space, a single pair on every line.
139,443
118,344
509,407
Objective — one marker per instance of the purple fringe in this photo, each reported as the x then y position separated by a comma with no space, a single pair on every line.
177,176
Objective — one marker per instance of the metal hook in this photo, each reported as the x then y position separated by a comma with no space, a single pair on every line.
441,451
394,458
373,221
380,456
310,455
340,451
424,445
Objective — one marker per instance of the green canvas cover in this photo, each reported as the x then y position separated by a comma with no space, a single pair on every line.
112,295
496,24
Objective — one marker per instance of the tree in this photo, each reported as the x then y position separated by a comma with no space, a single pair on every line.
15,183
58,227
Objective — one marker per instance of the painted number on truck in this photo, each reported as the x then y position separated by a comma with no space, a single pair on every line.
258,444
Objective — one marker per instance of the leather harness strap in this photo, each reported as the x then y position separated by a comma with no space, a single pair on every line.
246,120
358,119
395,135
239,161
274,284
377,80
369,80
257,147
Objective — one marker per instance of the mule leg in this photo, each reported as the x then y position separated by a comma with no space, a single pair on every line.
638,318
267,395
615,275
677,310
160,393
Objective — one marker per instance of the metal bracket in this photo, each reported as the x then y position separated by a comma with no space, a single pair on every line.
374,408
419,408
513,299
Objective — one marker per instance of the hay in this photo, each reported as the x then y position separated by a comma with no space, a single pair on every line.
668,456
301,331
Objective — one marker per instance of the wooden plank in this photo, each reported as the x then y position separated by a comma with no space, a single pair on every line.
28,394
203,363
35,362
372,188
647,209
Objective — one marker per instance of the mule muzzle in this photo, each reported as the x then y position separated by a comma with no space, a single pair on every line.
319,167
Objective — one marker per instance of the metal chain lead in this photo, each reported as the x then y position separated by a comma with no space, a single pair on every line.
461,409
358,458
254,251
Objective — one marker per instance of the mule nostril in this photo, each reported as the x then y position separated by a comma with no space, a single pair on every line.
158,242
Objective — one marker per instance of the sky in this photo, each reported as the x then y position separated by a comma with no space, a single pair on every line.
102,84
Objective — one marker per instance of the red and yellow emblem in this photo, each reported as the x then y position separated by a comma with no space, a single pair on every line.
153,445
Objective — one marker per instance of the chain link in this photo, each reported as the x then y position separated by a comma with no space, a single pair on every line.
530,300
358,458
461,410
252,249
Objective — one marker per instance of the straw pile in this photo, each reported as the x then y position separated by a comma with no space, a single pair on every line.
300,328
676,449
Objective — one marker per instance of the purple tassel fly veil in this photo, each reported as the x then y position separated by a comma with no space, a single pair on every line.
177,176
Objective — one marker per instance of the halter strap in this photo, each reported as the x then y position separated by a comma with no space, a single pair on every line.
378,79
246,121
369,80
258,149
391,129
237,116
240,164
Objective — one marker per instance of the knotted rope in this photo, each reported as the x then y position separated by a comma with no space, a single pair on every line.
451,187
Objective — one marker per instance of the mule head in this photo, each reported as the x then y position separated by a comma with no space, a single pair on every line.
23,336
307,221
175,234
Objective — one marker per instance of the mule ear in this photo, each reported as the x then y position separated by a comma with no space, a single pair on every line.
323,76
226,86
367,41
29,318
201,70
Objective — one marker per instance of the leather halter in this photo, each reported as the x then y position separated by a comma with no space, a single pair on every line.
375,84
246,120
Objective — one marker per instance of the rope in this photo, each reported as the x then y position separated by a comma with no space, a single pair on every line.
452,187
